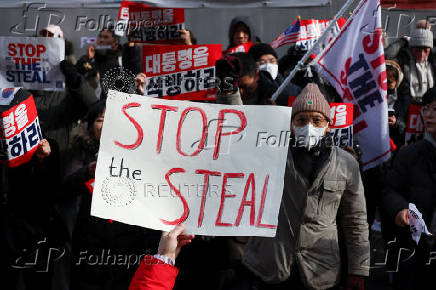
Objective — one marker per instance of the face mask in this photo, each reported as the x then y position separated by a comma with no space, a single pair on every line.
272,68
308,136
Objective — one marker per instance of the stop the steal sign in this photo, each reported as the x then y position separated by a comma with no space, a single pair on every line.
216,169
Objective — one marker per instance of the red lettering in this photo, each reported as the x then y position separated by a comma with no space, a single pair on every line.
206,173
359,127
163,115
21,46
383,81
251,203
40,49
219,128
30,50
371,45
224,195
262,205
137,127
203,135
12,50
177,192
344,74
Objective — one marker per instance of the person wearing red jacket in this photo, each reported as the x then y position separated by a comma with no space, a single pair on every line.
158,272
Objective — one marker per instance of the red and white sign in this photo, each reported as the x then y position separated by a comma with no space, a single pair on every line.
312,29
163,162
415,125
20,133
181,72
31,62
245,47
147,24
354,64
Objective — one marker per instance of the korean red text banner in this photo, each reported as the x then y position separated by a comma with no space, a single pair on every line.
354,64
409,4
31,63
145,24
20,133
245,47
415,125
181,72
178,162
312,29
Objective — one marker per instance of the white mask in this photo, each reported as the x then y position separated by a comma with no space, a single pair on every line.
272,68
309,135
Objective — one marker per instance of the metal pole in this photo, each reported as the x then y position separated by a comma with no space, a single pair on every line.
309,52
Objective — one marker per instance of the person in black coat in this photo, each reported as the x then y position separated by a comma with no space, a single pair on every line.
413,180
105,253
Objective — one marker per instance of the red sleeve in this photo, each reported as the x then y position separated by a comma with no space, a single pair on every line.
153,274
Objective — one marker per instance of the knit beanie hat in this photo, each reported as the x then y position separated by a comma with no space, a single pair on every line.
421,38
260,49
311,100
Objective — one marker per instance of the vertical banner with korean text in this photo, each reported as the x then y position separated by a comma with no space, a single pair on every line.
31,63
165,162
20,133
354,64
145,24
415,125
181,72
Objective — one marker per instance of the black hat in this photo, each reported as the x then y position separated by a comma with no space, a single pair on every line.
260,49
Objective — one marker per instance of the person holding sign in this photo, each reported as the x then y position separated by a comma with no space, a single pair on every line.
322,183
412,179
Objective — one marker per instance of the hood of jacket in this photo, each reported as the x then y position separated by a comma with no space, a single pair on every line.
245,20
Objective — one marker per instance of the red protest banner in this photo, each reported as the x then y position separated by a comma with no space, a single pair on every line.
414,126
147,24
341,124
181,72
409,4
20,133
245,47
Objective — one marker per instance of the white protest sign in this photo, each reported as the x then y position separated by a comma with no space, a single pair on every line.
217,169
31,62
417,223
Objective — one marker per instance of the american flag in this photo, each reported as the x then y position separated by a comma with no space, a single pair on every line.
290,35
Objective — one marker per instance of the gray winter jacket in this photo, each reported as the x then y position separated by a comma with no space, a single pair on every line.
307,234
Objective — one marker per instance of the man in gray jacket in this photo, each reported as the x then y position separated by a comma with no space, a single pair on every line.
322,184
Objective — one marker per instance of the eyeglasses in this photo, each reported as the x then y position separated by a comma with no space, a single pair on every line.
319,122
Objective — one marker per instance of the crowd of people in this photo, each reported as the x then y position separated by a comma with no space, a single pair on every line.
49,240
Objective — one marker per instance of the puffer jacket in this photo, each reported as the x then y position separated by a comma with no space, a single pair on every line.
307,233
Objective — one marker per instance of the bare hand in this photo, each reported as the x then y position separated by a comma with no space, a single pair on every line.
171,242
402,218
91,52
140,81
392,120
185,35
43,150
351,150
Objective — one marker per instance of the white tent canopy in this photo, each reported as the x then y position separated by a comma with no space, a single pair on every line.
176,3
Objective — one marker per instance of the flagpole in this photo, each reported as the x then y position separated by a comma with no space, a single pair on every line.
309,52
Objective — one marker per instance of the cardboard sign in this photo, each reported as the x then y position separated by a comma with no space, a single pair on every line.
147,24
415,125
20,133
245,47
181,72
341,126
217,169
31,63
